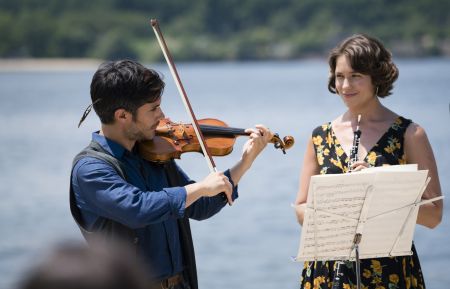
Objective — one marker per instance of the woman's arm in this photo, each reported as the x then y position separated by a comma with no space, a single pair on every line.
418,151
309,168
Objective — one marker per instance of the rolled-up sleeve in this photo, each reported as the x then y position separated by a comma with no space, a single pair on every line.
235,194
207,207
177,197
101,191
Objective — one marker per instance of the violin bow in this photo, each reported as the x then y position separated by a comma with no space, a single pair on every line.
184,97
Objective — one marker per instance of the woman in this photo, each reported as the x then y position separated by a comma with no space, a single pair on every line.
361,72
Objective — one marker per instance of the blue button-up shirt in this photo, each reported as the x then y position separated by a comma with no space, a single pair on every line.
143,202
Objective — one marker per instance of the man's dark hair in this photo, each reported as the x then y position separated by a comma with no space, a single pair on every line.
123,84
366,55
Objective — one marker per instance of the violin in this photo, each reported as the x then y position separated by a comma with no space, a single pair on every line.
173,139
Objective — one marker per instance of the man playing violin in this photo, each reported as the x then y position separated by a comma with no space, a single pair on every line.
117,194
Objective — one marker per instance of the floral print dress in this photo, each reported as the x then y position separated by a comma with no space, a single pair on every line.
380,273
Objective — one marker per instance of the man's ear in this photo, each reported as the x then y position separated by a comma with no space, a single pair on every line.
122,115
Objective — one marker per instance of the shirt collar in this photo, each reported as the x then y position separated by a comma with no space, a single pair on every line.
114,148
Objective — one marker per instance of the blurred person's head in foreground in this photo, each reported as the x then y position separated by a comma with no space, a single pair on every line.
98,266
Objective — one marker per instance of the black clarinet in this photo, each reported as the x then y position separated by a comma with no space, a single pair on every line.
337,281
355,146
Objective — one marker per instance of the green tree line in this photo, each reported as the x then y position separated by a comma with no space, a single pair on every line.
218,29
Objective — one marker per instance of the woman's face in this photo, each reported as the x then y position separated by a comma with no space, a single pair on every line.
356,89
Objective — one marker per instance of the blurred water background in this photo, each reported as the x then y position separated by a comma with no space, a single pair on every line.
248,245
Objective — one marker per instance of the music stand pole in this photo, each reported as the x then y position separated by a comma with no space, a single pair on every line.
356,242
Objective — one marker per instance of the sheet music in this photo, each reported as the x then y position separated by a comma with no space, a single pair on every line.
333,213
395,168
395,192
337,202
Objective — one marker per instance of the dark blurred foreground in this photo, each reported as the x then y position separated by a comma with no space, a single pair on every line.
99,266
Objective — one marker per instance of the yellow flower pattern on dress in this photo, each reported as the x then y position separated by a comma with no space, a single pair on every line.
329,140
376,267
320,159
376,280
317,140
339,151
371,158
336,163
318,281
367,273
393,145
380,273
397,124
393,278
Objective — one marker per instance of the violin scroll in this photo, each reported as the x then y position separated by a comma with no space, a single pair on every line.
286,143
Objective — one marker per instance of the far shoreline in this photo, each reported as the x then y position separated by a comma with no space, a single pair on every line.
48,64
92,64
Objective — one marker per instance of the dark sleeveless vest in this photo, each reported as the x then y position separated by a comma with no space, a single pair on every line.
113,230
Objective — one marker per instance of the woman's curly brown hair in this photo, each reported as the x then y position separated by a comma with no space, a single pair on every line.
368,56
